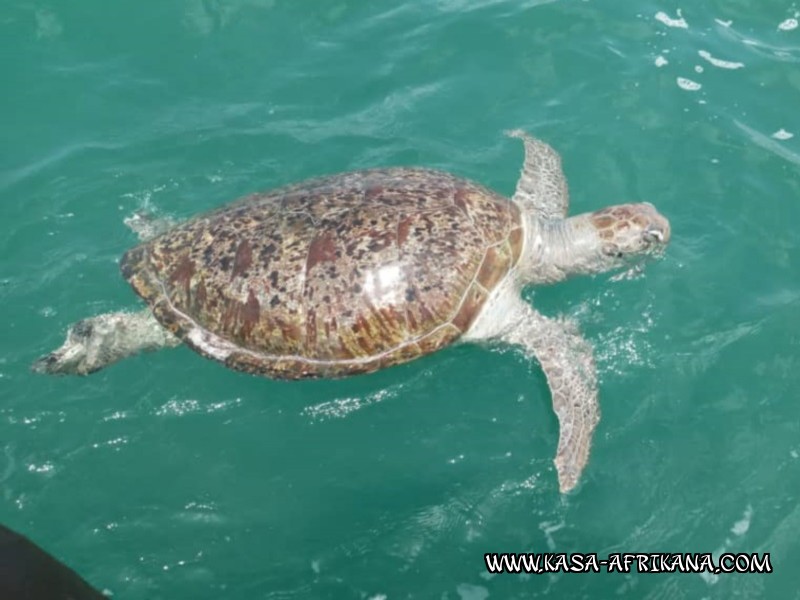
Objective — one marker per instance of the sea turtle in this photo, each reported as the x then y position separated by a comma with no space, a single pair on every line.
354,272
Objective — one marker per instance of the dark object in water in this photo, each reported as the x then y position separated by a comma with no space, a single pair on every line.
29,573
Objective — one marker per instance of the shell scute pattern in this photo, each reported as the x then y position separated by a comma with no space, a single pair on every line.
335,276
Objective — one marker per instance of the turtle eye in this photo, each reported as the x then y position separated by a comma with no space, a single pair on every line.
612,250
82,328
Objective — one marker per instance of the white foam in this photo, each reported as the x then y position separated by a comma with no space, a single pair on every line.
661,61
341,407
788,25
742,525
679,22
116,416
738,529
176,407
722,64
46,467
782,134
688,84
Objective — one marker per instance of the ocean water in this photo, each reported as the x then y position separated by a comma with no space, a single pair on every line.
168,476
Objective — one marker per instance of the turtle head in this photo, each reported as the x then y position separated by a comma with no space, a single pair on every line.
628,233
617,237
94,343
76,355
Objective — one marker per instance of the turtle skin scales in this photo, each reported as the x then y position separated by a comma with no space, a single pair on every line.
333,276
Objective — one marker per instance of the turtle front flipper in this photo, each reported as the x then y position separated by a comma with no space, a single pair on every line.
542,187
568,363
94,343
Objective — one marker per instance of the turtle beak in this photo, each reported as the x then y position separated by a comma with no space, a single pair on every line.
45,364
654,235
57,362
658,231
70,358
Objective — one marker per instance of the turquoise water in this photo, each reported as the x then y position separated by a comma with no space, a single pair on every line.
167,476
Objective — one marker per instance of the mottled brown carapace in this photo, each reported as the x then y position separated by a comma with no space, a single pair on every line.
334,276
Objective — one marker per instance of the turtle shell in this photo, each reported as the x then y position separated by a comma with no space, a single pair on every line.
333,276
